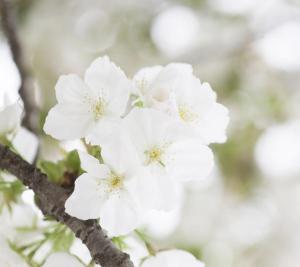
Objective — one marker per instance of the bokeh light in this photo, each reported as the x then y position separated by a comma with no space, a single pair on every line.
278,151
175,30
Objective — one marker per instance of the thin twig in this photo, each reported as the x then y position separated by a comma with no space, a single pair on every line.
8,19
51,200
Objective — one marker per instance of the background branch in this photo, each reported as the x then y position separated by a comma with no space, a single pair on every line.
8,19
51,200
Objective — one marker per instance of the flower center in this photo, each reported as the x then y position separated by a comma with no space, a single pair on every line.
154,155
186,114
98,108
115,182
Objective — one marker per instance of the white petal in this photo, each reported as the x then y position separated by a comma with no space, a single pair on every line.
137,128
168,79
119,154
189,91
147,75
109,81
172,258
87,198
154,191
168,106
149,127
144,78
168,192
119,215
10,117
161,224
190,160
68,121
26,149
211,118
71,89
145,189
212,128
102,131
93,166
62,259
208,92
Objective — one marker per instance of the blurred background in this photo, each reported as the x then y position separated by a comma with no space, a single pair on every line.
248,212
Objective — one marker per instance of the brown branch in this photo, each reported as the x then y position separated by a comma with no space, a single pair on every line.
8,18
51,198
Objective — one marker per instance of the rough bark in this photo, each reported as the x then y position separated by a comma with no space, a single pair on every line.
51,201
8,20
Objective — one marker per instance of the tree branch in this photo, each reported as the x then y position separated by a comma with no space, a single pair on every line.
51,198
8,18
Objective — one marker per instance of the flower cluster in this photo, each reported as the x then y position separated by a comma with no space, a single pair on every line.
153,130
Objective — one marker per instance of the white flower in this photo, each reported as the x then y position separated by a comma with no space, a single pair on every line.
16,216
162,147
107,192
9,258
172,258
26,149
98,101
175,90
62,259
10,114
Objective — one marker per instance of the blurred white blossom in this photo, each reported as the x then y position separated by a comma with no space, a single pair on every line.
175,30
10,113
233,7
61,259
174,258
277,151
9,75
279,48
8,257
19,215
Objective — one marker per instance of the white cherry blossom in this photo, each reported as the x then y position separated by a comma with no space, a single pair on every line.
10,113
147,152
172,258
98,101
62,259
175,90
107,192
18,215
162,147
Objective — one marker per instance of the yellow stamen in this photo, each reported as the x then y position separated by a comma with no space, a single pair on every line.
186,114
98,109
115,182
154,155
